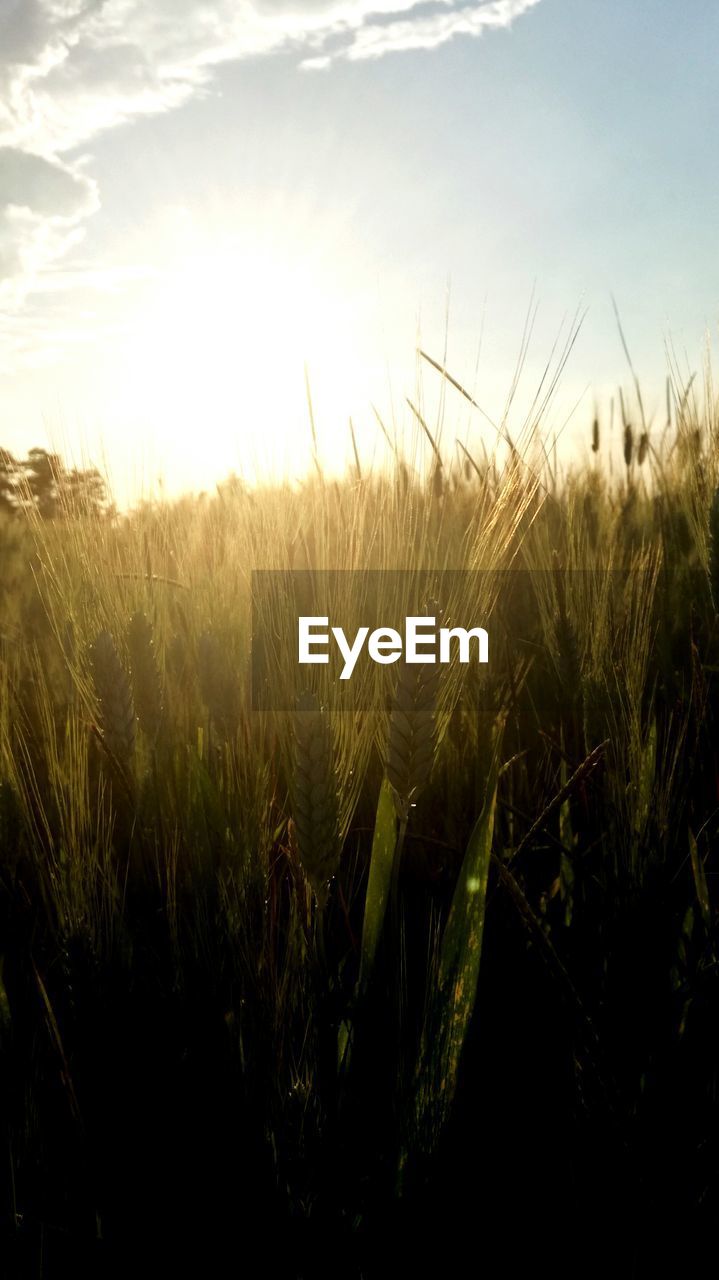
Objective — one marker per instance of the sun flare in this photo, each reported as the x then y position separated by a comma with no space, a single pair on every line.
220,351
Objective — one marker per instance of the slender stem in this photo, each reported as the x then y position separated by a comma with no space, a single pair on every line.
396,863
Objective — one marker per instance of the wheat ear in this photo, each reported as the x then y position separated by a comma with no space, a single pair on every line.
412,733
114,694
315,796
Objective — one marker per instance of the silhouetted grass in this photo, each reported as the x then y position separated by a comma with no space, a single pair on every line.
217,1043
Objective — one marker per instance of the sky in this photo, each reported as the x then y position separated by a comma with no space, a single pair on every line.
206,207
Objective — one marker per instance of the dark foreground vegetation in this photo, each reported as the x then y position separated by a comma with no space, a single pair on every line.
244,1026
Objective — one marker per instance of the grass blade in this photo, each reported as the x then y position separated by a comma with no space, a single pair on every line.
462,940
384,843
700,881
452,1002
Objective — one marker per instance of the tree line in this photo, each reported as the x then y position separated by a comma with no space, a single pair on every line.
41,482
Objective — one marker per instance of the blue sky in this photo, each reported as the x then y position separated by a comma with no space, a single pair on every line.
189,212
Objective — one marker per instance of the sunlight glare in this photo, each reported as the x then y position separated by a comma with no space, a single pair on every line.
216,365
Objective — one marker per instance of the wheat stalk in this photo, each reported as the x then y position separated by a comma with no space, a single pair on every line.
315,796
714,550
146,681
208,660
114,694
569,667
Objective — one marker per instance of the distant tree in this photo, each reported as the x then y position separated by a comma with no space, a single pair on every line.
41,472
42,482
83,491
8,481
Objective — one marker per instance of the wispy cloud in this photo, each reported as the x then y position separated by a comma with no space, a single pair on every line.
45,204
421,27
71,69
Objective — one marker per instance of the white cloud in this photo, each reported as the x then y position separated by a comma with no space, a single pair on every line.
44,206
70,69
429,31
44,185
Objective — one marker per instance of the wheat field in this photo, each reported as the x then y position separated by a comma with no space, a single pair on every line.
358,990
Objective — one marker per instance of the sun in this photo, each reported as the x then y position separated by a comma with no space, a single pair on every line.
219,355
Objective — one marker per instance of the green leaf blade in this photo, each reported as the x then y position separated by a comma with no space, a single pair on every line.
384,842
